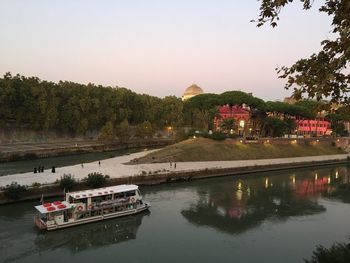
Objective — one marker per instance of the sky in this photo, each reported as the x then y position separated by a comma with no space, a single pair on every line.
157,47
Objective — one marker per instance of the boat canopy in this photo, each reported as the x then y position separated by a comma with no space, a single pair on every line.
56,206
103,191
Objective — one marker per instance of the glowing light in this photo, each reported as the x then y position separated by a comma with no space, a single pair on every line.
240,141
239,195
336,175
316,175
317,140
194,136
266,182
239,185
293,179
268,141
329,179
241,123
338,140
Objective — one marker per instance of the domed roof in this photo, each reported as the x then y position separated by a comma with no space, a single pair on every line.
193,90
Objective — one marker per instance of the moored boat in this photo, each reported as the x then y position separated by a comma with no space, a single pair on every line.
89,206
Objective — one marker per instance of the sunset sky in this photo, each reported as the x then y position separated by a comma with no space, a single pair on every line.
158,47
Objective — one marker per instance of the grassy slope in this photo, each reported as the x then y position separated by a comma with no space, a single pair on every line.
202,149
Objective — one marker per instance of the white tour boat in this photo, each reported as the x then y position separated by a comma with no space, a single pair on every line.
89,206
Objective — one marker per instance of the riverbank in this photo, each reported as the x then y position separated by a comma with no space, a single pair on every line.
29,150
157,173
202,149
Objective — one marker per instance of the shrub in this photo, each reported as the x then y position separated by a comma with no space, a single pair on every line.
67,182
218,136
36,184
95,180
337,253
15,191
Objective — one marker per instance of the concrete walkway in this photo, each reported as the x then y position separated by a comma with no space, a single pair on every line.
116,168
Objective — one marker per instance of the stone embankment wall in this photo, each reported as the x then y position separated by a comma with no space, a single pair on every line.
26,151
343,142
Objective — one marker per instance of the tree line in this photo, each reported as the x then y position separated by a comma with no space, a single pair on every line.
76,109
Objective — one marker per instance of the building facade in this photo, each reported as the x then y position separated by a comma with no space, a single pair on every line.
240,115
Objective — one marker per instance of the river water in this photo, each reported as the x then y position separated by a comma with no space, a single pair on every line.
266,217
59,161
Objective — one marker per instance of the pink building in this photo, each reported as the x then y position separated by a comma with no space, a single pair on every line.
317,127
240,114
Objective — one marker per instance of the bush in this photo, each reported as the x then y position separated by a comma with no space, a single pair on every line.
36,184
67,182
95,180
15,191
218,136
337,253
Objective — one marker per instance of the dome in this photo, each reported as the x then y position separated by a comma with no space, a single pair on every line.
192,91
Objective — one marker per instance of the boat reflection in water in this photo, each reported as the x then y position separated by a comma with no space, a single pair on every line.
92,235
246,203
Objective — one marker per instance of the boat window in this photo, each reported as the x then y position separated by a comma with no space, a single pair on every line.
129,193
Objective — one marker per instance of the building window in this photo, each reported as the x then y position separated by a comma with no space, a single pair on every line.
241,123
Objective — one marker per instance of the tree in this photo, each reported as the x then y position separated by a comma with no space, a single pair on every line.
337,253
15,191
67,182
123,130
323,74
107,132
227,124
95,180
144,130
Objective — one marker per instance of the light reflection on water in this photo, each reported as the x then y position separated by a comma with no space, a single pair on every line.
267,217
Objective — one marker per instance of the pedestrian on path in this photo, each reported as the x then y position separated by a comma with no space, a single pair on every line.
99,163
175,165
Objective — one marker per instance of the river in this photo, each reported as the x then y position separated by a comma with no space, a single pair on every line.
15,167
266,217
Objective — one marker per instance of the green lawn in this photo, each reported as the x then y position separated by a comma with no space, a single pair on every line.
201,149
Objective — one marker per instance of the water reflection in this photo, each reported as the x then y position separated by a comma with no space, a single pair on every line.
245,203
92,235
75,239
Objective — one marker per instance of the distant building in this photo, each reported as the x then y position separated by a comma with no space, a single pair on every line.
241,115
192,91
316,127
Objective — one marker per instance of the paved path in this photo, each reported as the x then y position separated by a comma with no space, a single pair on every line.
115,167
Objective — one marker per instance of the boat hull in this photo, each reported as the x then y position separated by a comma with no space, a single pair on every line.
42,225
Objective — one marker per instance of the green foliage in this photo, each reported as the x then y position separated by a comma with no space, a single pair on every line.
323,74
67,182
107,132
95,180
15,191
284,109
36,184
227,124
123,130
337,253
337,123
218,136
144,130
75,108
275,127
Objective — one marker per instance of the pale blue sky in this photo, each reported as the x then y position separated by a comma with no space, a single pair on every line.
157,47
